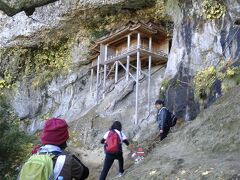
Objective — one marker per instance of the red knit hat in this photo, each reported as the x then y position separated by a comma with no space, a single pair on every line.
55,132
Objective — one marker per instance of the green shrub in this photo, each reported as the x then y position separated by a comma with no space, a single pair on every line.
232,78
203,82
163,89
204,79
213,9
15,144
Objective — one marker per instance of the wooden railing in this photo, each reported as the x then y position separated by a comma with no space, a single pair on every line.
135,47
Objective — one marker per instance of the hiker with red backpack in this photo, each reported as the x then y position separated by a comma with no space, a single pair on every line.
165,119
51,161
112,141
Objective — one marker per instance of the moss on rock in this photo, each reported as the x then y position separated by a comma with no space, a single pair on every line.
35,66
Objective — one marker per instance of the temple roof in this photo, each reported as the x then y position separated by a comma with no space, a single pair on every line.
147,29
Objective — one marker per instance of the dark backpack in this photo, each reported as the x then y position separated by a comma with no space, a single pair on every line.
112,143
172,119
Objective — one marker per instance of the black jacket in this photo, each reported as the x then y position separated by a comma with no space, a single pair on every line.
74,168
162,118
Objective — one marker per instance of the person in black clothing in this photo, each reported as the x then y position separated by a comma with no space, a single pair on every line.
162,119
109,158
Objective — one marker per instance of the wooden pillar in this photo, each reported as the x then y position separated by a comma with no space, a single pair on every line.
138,46
149,72
127,68
104,79
98,67
149,79
116,72
138,40
105,52
137,86
91,80
150,44
129,41
128,57
105,69
100,75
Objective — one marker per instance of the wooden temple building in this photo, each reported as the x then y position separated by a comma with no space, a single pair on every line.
137,46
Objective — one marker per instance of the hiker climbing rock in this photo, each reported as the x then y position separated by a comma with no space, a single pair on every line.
162,119
52,154
112,141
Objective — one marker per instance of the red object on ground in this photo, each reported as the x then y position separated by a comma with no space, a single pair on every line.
140,152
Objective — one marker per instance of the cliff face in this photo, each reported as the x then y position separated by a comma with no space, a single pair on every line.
47,23
28,40
198,42
13,7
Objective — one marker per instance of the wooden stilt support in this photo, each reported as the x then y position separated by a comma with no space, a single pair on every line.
105,70
104,79
98,68
137,86
128,57
130,75
149,71
91,81
116,72
127,68
100,76
105,52
138,40
149,80
139,46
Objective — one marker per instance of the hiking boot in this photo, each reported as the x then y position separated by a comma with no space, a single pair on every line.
120,175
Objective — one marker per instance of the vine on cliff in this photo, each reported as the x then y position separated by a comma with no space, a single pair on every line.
49,61
213,9
36,65
204,79
12,65
203,82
